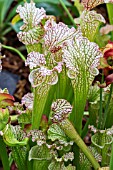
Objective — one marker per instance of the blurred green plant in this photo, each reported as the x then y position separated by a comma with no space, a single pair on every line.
55,8
5,18
6,15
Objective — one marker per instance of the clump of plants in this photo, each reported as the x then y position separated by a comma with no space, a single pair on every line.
67,70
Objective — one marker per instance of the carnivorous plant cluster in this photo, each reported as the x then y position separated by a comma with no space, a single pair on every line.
64,65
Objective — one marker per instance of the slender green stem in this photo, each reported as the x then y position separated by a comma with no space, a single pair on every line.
104,149
111,159
15,50
50,98
38,107
68,13
107,105
101,108
35,117
3,155
70,131
70,95
100,111
110,15
62,84
19,157
76,151
85,129
40,96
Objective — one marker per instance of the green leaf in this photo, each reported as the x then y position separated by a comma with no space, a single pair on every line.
109,120
4,155
4,7
79,6
110,15
85,163
4,117
13,12
102,141
50,98
53,2
56,133
56,166
16,19
19,154
93,94
60,166
40,153
89,23
25,118
11,136
70,167
41,156
39,165
51,9
80,56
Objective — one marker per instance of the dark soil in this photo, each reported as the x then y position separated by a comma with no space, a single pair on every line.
14,64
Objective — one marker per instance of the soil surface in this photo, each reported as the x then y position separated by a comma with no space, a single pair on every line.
14,64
